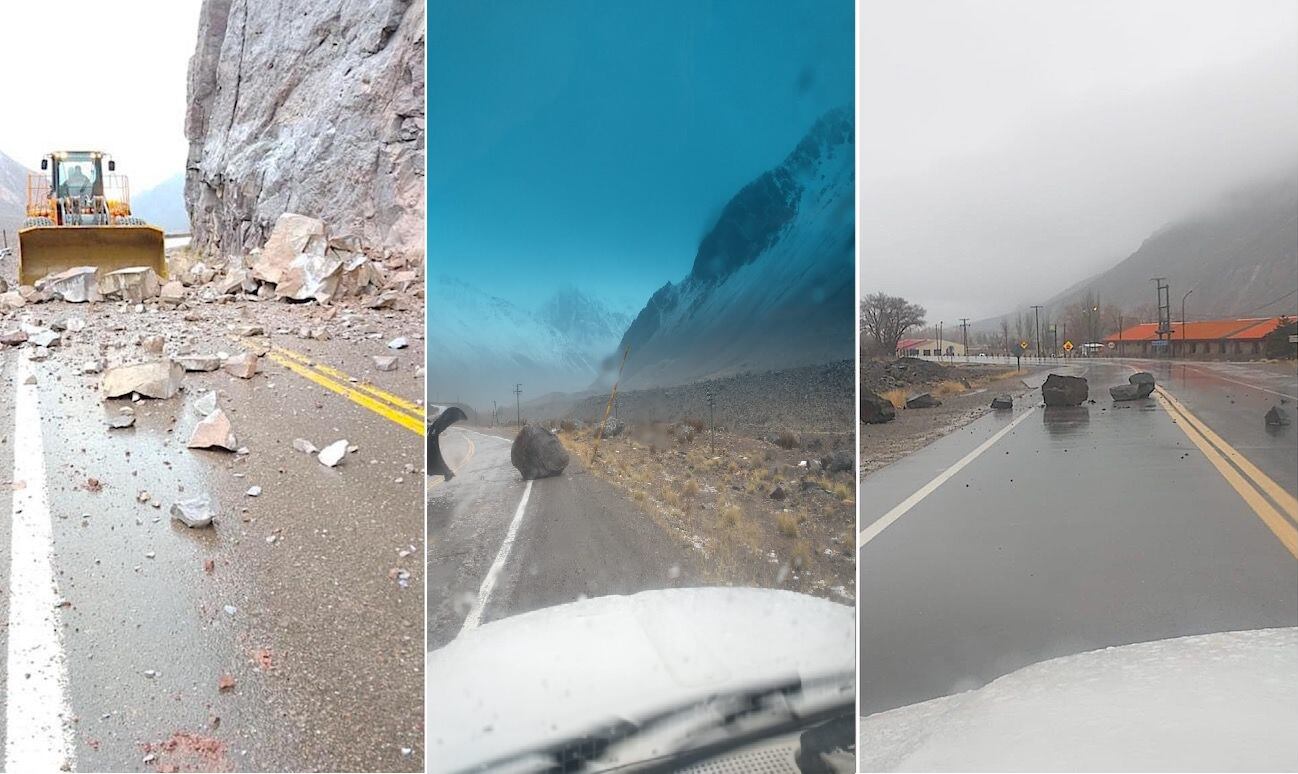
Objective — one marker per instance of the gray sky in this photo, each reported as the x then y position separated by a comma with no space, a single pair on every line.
1009,149
90,75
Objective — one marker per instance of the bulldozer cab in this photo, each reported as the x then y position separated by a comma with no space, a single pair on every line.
77,174
78,214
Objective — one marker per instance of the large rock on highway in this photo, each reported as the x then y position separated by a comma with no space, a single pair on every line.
1064,390
317,107
537,453
1141,385
875,409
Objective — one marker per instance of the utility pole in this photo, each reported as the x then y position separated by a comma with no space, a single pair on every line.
1036,311
712,420
1121,349
964,336
1164,310
1066,354
518,406
494,410
941,345
1187,295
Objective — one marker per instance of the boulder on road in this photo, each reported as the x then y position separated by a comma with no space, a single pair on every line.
194,512
922,400
1141,385
537,453
875,409
1277,417
193,362
242,365
213,432
158,379
77,285
1064,390
134,284
1002,402
288,239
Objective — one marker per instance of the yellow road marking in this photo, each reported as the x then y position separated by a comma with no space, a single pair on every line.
383,395
414,424
1287,502
1282,529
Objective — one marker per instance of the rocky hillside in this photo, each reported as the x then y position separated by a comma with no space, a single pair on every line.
312,108
13,195
1240,257
772,284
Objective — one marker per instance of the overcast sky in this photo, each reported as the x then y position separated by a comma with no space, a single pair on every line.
1009,149
91,75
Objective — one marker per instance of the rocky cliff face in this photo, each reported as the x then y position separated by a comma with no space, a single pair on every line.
310,108
13,196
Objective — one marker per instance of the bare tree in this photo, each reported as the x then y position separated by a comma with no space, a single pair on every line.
886,319
1005,333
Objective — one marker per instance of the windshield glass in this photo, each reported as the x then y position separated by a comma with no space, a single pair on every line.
77,174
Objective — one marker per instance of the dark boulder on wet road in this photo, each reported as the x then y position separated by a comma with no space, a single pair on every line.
1002,402
1277,417
537,453
875,409
1141,385
1064,390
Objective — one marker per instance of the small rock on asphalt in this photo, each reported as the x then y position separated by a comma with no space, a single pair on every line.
332,454
194,512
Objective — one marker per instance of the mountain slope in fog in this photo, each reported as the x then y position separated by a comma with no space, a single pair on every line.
772,284
480,345
13,195
1240,257
164,205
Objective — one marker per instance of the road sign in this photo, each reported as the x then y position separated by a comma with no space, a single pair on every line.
1112,345
1068,346
1023,344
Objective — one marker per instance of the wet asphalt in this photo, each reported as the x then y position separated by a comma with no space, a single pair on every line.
578,538
301,604
1079,529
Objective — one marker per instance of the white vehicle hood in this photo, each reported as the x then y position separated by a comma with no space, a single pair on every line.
533,679
1212,702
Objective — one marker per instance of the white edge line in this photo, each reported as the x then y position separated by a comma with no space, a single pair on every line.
872,531
37,714
474,617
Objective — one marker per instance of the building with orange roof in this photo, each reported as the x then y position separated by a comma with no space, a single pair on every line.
1238,339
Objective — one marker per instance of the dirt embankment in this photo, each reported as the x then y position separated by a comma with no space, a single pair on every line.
810,399
761,513
964,389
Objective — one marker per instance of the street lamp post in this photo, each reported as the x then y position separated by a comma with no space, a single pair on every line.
1187,295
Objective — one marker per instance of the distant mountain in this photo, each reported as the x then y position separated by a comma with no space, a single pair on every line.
164,205
480,346
13,195
772,285
588,323
1239,256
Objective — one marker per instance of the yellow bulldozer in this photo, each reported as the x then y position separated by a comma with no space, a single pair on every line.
79,216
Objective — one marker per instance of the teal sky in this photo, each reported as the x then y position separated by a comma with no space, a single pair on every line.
594,143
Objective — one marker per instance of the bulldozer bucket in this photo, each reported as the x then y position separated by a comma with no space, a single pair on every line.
44,250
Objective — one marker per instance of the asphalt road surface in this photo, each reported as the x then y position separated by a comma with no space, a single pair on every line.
1042,532
499,546
121,624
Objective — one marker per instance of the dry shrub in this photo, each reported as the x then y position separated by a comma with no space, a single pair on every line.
802,554
730,514
896,397
786,440
691,488
638,495
694,423
949,387
671,498
786,524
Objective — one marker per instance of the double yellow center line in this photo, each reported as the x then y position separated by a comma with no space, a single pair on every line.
392,407
1267,498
